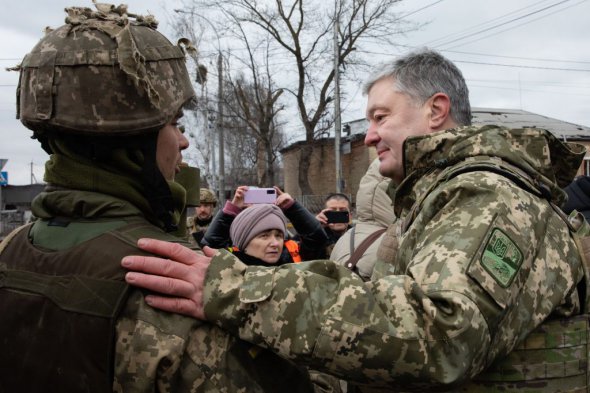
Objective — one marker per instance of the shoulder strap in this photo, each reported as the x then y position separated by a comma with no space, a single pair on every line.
12,234
351,240
360,250
480,164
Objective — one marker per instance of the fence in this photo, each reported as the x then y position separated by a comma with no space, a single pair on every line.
10,220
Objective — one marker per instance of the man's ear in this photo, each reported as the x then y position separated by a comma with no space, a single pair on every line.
440,110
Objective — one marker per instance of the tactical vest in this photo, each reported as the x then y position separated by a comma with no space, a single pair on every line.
553,357
59,310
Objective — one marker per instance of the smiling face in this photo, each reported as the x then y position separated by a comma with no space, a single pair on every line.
393,117
266,246
171,142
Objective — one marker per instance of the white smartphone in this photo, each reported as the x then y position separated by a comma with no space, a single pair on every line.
260,195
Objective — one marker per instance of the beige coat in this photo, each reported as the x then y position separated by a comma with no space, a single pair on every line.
373,211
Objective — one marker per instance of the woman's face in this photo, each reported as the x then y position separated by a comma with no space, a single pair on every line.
266,246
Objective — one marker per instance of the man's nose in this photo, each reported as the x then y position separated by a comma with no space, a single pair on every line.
372,137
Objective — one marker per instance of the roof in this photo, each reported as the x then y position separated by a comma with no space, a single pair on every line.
514,118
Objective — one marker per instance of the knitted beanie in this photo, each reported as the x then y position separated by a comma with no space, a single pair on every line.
254,220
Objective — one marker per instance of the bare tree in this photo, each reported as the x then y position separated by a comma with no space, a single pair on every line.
251,105
256,104
302,31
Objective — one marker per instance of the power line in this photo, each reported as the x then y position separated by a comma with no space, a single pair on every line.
474,28
419,9
516,57
529,90
521,66
514,27
503,23
484,63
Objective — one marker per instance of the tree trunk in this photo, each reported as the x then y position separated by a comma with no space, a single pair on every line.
304,164
261,165
270,173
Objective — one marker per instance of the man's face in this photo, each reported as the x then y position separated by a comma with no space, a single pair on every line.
204,211
393,117
338,205
171,142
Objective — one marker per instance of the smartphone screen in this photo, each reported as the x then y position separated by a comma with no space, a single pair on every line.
260,195
336,216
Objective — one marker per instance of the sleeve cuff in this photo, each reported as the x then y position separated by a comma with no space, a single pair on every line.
231,209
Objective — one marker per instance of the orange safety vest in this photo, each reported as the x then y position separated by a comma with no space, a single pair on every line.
293,248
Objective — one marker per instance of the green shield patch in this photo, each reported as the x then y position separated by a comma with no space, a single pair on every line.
501,258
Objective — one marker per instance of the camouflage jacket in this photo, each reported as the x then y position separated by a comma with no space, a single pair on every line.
155,351
478,259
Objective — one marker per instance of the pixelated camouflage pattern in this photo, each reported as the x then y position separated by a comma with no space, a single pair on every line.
134,77
432,317
164,352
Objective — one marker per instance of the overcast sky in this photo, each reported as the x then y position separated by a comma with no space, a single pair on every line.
515,54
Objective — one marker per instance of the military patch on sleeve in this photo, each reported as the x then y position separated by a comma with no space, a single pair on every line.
501,258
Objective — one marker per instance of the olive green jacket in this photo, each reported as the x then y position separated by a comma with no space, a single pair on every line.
154,351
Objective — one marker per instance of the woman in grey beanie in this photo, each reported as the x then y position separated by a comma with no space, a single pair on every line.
258,232
309,236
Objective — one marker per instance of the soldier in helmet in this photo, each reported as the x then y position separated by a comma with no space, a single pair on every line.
203,214
104,94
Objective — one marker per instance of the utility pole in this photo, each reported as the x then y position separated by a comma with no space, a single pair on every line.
2,163
337,125
210,135
220,130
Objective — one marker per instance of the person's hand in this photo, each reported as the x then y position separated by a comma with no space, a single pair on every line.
284,200
321,217
238,199
182,276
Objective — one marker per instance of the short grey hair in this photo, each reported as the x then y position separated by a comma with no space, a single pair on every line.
423,73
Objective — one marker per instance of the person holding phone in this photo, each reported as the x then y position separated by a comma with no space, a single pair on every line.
310,235
336,219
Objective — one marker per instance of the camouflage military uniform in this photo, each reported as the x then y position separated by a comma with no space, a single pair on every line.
478,260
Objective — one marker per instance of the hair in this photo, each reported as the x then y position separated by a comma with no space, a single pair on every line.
423,73
338,196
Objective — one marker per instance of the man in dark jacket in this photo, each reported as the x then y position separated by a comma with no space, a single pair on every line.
335,204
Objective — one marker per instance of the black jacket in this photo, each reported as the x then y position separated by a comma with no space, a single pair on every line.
578,196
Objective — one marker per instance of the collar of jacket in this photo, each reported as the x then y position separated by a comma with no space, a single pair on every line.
537,152
61,202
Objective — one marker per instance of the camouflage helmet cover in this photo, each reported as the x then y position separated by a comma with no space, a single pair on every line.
103,72
207,196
